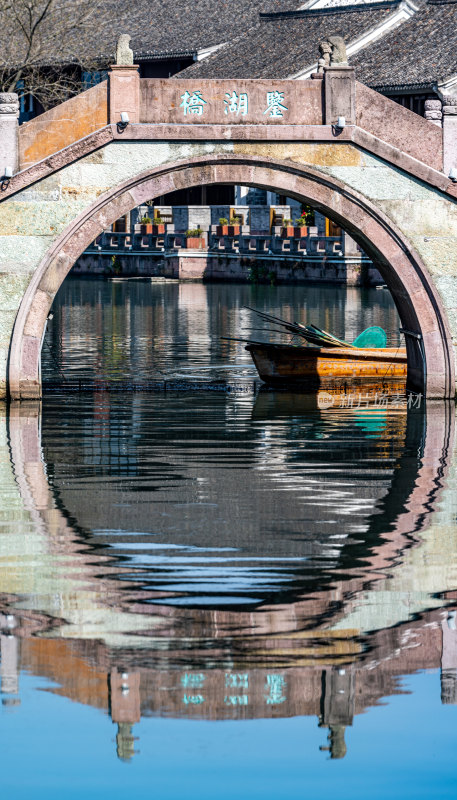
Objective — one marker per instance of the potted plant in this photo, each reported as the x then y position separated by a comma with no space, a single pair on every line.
158,225
195,239
222,228
146,225
234,227
287,229
301,228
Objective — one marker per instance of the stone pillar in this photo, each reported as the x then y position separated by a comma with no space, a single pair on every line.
433,112
339,84
349,247
9,112
124,92
449,660
9,664
337,706
449,134
125,709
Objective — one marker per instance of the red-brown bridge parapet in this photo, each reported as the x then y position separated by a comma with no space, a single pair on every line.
231,102
235,109
63,125
399,127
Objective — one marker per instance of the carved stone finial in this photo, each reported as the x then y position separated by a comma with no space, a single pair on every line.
325,49
433,111
9,103
124,54
449,107
333,51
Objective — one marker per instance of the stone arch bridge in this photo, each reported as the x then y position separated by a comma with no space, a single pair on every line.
377,169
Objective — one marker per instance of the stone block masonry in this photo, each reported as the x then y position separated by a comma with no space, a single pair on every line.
206,266
381,179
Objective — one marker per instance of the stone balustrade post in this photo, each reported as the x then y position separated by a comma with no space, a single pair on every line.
9,113
433,112
124,92
339,87
349,246
449,134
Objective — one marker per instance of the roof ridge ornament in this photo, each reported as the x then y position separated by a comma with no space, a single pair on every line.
124,54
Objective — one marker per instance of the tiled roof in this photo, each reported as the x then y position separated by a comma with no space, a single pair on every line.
267,38
417,53
280,46
421,52
157,27
161,26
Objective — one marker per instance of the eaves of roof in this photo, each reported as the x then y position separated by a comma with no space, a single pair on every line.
166,55
407,88
332,10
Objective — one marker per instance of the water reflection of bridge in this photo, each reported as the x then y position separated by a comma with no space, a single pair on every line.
329,648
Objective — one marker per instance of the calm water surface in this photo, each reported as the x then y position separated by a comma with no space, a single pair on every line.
140,330
223,595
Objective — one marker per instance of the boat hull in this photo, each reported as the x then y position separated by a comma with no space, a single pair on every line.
317,367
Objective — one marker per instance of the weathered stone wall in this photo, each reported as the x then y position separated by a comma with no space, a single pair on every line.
258,270
238,269
92,265
33,219
191,217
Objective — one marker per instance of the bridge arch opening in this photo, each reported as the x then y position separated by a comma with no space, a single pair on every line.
429,348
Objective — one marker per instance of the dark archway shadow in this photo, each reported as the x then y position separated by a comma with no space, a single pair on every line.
430,357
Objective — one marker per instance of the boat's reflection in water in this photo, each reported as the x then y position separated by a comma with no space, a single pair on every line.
231,558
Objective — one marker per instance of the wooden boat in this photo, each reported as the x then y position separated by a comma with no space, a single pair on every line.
321,366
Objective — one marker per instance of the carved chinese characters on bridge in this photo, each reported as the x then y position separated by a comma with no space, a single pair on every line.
235,104
276,106
193,103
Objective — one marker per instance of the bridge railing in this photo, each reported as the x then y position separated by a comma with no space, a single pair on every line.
115,242
244,244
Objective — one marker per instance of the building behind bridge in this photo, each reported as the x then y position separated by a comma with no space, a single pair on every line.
404,49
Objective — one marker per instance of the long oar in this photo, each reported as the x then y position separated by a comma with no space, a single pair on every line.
311,333
326,339
292,327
